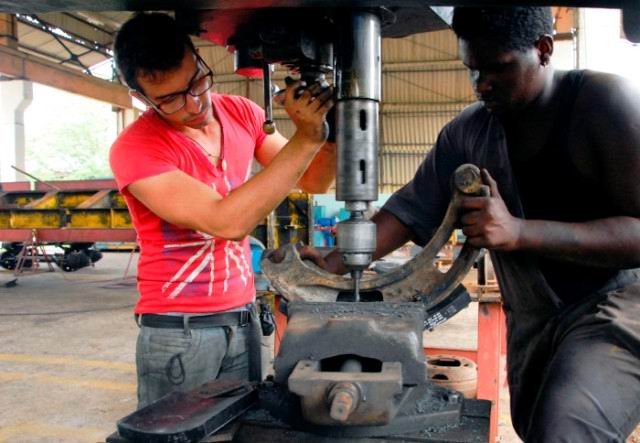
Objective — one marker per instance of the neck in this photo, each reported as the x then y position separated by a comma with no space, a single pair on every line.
542,102
210,129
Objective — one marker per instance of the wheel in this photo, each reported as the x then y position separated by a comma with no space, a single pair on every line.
8,260
74,260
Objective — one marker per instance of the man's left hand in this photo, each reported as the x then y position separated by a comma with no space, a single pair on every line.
487,222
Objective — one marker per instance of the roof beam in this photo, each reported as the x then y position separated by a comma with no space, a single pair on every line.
17,64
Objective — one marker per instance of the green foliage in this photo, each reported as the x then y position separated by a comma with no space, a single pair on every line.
71,144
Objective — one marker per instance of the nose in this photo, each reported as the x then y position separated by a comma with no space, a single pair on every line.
193,104
482,82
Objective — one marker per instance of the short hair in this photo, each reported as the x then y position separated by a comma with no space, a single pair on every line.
147,44
515,28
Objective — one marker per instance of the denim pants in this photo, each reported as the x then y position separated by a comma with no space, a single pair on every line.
179,359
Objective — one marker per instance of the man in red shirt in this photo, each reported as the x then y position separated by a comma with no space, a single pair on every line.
184,169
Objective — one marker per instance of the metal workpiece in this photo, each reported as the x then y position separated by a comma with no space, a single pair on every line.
189,416
357,138
468,180
416,281
373,333
358,56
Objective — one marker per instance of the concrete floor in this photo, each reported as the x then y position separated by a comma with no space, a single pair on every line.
67,353
67,370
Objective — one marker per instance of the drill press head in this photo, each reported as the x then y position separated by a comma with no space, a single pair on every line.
356,243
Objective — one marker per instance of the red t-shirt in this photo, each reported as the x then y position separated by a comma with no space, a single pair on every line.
182,270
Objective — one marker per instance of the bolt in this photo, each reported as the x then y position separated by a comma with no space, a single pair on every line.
344,399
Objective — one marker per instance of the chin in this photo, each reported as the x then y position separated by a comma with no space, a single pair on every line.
497,109
200,122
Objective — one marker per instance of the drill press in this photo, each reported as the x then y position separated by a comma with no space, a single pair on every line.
357,81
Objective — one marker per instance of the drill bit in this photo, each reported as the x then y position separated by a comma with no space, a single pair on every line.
356,275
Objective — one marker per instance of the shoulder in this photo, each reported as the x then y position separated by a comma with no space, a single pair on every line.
605,127
148,133
467,128
470,118
236,105
606,107
602,92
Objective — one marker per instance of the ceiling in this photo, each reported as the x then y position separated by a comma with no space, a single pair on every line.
80,40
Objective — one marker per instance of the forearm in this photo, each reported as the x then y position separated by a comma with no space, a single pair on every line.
321,172
609,243
249,204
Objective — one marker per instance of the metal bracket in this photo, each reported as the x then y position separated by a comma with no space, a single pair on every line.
416,281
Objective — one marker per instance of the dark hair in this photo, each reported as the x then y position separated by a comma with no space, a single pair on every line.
516,28
149,43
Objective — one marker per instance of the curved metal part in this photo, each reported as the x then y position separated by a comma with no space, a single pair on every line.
416,281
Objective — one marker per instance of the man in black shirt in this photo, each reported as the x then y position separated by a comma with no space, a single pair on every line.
560,152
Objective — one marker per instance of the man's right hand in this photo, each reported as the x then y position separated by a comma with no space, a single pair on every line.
331,263
308,110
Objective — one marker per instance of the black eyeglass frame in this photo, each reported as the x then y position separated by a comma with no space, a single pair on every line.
183,93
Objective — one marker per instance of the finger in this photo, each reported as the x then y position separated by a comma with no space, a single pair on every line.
292,87
473,230
474,202
477,241
304,95
315,89
322,99
470,218
493,185
312,254
326,105
274,255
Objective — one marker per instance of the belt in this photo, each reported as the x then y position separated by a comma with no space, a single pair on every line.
235,318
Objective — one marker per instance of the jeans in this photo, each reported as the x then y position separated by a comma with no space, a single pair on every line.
171,360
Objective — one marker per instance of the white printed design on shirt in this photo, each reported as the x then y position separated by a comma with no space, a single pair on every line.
198,262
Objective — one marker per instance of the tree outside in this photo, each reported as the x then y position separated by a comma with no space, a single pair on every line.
67,136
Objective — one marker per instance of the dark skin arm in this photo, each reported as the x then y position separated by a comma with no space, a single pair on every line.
610,122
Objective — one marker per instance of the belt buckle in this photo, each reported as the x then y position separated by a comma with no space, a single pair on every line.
244,318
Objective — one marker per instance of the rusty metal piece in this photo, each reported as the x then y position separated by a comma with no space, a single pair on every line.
467,179
454,372
416,281
344,398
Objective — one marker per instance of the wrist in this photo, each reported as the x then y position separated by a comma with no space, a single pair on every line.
333,261
519,241
306,141
330,147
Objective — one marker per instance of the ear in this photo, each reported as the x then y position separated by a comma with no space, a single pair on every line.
544,46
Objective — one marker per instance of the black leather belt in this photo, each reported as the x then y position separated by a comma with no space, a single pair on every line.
235,318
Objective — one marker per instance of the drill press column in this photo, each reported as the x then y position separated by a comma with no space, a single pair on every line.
357,79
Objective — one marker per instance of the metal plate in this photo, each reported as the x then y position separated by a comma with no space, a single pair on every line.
189,416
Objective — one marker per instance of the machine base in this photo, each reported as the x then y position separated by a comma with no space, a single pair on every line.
260,425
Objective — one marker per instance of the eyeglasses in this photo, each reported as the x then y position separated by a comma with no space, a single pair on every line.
198,85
